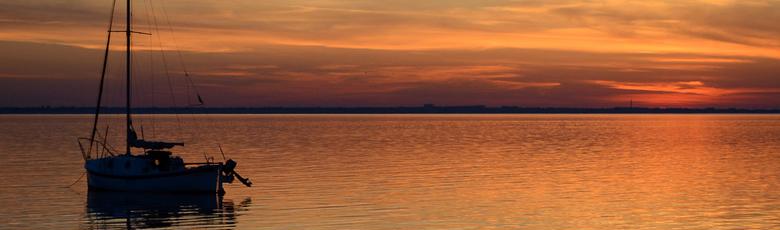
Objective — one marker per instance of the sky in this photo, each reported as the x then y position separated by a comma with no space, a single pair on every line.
550,53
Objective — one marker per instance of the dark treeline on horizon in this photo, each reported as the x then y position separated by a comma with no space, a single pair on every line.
426,109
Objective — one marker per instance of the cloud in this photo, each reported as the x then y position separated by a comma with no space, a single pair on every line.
322,52
292,76
725,28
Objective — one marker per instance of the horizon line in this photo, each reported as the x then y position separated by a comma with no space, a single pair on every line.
424,109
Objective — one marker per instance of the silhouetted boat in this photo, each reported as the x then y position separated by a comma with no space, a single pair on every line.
155,169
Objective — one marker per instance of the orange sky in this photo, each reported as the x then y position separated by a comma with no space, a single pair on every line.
364,53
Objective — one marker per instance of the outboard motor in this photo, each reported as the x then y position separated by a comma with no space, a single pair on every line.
228,173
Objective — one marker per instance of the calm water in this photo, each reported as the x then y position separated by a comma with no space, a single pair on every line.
419,172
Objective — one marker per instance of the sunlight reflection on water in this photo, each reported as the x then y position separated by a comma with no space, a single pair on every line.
420,171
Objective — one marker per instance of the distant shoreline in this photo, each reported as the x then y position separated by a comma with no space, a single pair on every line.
427,109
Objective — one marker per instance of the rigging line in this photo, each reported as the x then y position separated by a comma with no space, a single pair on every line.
105,140
187,91
187,79
189,82
173,37
181,57
77,180
101,145
102,80
197,94
150,93
115,89
151,67
138,95
107,148
165,64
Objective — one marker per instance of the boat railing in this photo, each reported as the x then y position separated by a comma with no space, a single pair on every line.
103,147
203,163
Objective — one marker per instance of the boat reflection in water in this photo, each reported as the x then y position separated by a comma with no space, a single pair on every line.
107,209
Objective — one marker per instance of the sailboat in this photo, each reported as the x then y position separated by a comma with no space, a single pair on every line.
155,168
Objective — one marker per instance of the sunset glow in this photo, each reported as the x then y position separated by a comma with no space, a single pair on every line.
377,53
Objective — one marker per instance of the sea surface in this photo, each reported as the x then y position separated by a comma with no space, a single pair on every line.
414,172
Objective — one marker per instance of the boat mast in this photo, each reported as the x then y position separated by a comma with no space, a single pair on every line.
102,80
127,90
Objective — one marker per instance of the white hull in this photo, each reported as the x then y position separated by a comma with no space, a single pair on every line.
131,173
200,179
